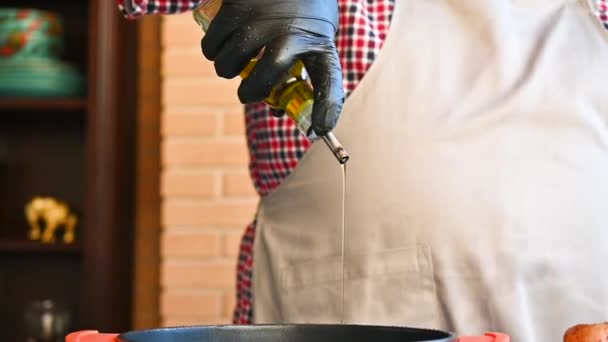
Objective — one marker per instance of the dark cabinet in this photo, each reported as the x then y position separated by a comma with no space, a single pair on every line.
79,149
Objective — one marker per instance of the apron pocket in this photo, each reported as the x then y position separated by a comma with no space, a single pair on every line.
311,291
391,287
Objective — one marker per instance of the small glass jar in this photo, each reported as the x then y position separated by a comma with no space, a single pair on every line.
46,321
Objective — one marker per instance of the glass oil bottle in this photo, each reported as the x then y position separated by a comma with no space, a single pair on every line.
293,94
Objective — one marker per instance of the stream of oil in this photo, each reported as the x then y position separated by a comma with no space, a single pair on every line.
343,236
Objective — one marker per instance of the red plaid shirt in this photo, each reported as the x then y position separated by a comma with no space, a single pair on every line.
602,11
275,144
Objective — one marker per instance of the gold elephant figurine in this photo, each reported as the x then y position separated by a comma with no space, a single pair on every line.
54,214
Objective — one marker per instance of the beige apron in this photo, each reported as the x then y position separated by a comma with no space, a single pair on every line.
477,190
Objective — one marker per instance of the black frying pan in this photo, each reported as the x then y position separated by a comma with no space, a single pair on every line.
287,333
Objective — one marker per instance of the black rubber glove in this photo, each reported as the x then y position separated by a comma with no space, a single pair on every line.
288,30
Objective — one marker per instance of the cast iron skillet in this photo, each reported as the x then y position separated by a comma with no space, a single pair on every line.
288,333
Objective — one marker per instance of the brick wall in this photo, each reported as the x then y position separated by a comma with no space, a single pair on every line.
207,196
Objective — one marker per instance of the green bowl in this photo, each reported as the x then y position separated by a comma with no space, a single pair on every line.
28,32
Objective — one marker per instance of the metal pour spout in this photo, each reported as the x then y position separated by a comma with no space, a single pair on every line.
336,148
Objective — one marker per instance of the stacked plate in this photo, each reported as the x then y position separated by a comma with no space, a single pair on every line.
38,77
31,42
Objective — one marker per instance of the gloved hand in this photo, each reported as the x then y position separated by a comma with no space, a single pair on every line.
288,30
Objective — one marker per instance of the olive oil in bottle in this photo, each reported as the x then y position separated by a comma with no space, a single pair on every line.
293,94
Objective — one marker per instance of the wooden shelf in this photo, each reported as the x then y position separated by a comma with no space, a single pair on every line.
26,246
44,104
56,146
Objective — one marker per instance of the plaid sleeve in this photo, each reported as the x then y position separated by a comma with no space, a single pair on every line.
135,8
602,11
